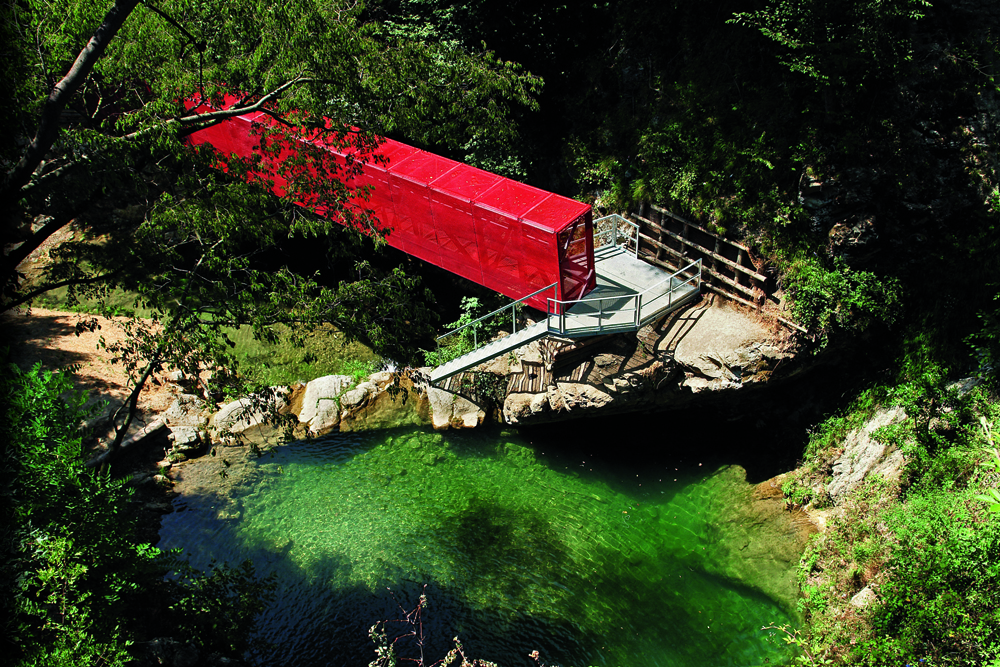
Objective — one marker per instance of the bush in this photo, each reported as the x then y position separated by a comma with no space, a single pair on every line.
70,567
942,602
77,588
829,300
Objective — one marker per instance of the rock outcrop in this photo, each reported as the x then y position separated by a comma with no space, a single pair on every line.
711,347
336,402
865,456
249,412
320,403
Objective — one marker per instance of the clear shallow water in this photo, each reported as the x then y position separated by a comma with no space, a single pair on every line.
521,550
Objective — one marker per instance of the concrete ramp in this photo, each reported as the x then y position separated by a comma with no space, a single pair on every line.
489,351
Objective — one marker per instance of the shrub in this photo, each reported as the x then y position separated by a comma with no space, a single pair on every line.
828,300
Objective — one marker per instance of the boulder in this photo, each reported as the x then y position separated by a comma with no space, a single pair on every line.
385,401
864,598
187,410
450,410
321,403
246,413
185,439
355,398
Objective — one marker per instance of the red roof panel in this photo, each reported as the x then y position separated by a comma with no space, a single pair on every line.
465,182
422,167
555,213
511,198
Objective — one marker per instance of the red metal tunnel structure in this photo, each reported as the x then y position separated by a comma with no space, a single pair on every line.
511,237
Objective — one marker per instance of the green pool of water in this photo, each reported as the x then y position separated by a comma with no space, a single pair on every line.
588,562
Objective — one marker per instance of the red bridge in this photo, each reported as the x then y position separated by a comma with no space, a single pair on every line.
510,237
528,244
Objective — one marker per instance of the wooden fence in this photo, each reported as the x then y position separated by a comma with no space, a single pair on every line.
671,241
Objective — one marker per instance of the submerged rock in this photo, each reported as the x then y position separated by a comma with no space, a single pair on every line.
756,540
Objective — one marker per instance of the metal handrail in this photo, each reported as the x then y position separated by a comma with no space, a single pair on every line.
674,275
562,305
616,219
475,341
600,309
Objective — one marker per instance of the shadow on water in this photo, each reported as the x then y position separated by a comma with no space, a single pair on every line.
765,432
518,553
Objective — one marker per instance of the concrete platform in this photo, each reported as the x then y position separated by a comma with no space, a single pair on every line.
623,283
629,294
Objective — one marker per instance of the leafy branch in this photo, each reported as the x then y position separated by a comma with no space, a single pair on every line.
795,638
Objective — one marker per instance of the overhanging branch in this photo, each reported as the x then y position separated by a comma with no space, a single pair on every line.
48,127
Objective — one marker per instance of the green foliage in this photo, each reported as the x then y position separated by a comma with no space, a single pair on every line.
69,551
927,544
471,331
992,465
76,586
838,42
60,602
944,592
985,342
829,301
808,655
488,389
207,250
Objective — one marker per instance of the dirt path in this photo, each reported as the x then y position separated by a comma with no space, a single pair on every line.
52,338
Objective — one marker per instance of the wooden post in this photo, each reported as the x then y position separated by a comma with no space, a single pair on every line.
739,262
661,236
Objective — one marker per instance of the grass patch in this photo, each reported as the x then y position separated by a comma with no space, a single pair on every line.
325,351
117,299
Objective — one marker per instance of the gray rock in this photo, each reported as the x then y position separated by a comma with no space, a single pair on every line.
321,403
964,386
355,397
381,378
451,410
184,438
246,413
539,404
864,598
187,410
175,376
863,456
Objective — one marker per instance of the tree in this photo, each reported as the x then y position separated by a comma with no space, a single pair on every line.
193,233
77,590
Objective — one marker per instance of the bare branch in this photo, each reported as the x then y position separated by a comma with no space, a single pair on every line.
198,44
238,110
215,116
25,298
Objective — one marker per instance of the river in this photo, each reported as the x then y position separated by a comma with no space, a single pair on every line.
525,541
